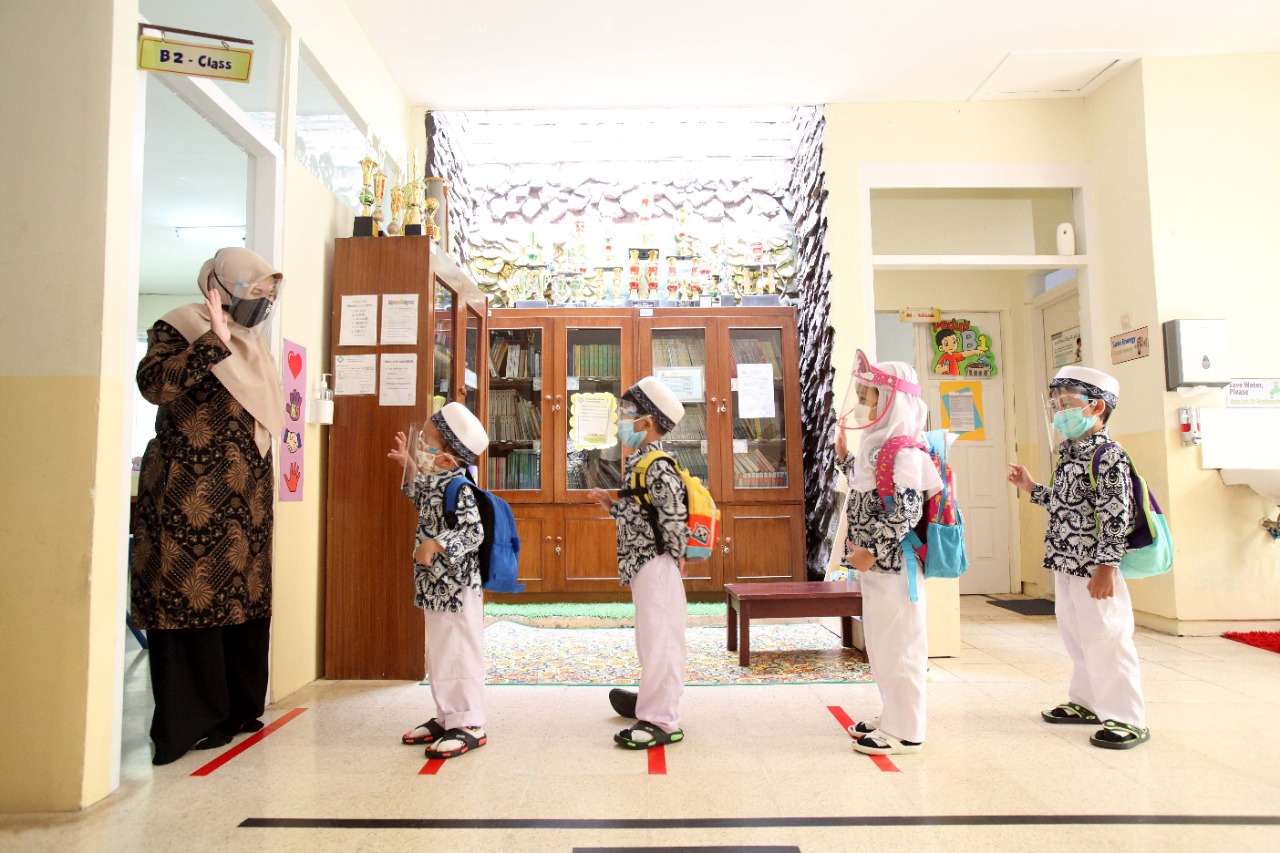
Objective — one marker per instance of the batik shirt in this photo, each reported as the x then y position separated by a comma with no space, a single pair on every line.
877,528
439,586
636,545
1087,527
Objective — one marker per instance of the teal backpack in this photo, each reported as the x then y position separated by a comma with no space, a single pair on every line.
1149,544
937,542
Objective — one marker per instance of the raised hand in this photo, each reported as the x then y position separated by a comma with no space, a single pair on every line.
291,479
217,320
1019,476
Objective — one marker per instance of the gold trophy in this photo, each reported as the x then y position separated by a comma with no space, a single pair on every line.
413,201
397,208
379,192
432,230
364,226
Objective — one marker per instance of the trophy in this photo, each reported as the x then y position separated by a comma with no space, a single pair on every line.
397,207
364,222
438,189
413,201
432,230
379,192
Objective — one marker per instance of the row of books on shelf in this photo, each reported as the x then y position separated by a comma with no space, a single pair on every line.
512,417
757,429
595,360
679,352
509,360
690,460
519,469
756,351
754,470
692,427
595,473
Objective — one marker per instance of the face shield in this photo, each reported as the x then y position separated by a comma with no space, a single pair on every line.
1069,413
870,395
250,303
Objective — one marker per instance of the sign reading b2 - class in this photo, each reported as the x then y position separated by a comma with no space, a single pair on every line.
194,60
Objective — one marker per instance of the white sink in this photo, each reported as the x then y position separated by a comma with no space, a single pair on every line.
1264,482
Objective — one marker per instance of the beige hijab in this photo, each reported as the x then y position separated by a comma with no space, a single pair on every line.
249,374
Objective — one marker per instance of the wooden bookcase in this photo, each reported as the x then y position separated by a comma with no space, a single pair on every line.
372,628
540,358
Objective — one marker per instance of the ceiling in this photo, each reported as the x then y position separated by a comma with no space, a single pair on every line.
493,54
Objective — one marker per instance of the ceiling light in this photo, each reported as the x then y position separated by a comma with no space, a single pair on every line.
211,233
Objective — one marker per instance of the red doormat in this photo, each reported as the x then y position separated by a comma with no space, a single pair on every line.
1269,640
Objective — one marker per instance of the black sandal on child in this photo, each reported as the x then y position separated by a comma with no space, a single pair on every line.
464,736
623,702
646,736
1070,713
417,737
1117,735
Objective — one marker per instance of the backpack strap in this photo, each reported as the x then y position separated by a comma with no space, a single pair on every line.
885,460
451,493
639,489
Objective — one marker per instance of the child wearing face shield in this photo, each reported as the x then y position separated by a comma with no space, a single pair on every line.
884,403
1084,543
653,568
446,575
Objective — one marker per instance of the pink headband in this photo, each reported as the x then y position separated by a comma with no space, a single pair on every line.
874,375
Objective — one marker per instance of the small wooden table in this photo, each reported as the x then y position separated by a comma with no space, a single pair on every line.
746,601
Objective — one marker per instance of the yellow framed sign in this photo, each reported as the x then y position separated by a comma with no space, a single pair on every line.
194,60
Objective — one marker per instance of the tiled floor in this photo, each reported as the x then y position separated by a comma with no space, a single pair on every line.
763,767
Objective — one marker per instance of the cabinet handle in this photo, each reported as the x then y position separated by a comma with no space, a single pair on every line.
558,405
558,550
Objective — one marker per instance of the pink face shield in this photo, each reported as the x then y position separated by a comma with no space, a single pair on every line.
870,394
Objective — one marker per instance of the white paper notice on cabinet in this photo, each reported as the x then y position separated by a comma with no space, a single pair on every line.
399,319
359,321
755,391
354,375
399,384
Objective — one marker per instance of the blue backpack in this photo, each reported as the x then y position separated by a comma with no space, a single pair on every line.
500,549
1149,544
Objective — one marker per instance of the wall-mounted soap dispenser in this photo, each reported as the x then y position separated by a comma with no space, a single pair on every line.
322,407
1195,353
1189,421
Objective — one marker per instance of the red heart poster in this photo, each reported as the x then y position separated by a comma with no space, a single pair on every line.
290,453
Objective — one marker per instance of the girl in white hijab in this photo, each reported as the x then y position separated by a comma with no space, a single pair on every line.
884,403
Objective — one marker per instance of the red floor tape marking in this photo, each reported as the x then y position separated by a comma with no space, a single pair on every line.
657,761
881,761
432,767
246,743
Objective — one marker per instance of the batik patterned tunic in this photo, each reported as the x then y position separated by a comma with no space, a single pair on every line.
636,544
1087,527
873,526
204,516
438,586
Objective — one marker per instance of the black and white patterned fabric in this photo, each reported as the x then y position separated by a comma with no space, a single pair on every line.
636,545
439,586
1087,528
873,526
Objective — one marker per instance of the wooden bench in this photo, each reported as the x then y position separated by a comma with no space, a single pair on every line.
747,601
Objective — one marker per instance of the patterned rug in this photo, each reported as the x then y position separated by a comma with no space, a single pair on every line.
780,654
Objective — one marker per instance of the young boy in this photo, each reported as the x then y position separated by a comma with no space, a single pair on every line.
652,567
446,573
1083,546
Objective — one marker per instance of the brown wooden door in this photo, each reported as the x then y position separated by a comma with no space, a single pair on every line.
522,351
589,550
537,527
763,542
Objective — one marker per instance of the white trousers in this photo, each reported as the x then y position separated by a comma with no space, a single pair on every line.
898,649
658,593
455,660
1098,634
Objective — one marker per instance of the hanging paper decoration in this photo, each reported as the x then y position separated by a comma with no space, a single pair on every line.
961,349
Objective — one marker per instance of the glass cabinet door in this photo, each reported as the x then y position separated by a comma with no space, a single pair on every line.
758,409
679,358
593,365
442,373
515,409
471,363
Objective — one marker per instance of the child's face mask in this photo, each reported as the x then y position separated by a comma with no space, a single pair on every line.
433,460
1069,417
627,434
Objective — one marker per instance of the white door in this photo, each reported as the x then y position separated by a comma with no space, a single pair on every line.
1060,330
978,457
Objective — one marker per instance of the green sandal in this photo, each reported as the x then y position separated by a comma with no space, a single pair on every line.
1070,713
1116,735
650,736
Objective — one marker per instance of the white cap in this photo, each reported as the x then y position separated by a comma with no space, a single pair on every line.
462,431
1102,385
658,401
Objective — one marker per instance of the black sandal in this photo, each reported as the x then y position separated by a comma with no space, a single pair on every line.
1070,713
434,730
1117,735
623,702
656,736
469,742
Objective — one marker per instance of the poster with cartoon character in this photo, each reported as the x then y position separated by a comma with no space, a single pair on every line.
961,349
294,376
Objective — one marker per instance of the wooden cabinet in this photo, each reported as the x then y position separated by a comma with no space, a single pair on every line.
737,372
372,628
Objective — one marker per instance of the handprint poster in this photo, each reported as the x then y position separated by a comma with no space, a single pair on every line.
290,458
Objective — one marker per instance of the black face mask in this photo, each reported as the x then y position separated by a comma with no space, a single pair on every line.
247,312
